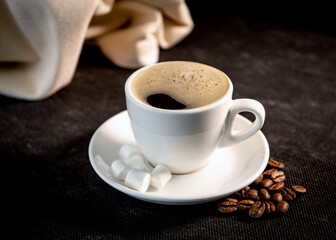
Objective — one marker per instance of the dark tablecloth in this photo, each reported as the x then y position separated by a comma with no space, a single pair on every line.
286,63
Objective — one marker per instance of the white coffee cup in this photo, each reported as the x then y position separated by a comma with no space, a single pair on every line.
183,140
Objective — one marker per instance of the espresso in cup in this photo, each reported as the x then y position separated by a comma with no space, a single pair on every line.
179,85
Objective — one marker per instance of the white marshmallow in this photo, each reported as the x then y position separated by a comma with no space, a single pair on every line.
119,169
137,162
160,176
127,151
138,180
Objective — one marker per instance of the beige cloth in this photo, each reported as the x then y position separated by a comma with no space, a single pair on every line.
40,40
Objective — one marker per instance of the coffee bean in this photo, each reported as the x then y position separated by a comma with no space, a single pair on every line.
228,203
276,187
227,206
269,171
266,183
268,207
271,205
241,193
275,164
245,204
231,199
264,194
257,209
299,189
277,197
238,194
259,179
288,194
278,176
277,173
251,194
279,179
282,207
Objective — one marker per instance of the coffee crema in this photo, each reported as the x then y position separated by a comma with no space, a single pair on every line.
179,85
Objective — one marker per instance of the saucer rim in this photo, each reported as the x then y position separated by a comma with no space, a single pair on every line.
174,200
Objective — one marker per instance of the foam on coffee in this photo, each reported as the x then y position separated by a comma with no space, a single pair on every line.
192,84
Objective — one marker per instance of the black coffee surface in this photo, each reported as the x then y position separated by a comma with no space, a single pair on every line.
161,100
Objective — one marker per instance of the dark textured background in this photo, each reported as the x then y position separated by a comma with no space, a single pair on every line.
281,55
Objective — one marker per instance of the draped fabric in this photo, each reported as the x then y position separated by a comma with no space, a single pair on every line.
41,40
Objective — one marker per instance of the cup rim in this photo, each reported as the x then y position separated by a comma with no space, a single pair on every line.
129,94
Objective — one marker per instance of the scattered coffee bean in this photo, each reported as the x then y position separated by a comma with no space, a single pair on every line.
257,209
245,204
279,179
299,189
251,194
227,206
264,194
282,207
276,164
277,186
278,176
259,179
238,194
266,183
241,192
269,171
277,197
272,206
231,199
277,173
288,194
268,207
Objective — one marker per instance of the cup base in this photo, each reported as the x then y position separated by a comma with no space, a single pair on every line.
182,172
198,169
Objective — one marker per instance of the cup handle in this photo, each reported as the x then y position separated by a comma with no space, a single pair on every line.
230,136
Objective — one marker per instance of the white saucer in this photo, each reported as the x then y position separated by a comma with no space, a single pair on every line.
229,169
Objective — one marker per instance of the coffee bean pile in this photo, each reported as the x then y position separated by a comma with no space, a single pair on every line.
266,195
